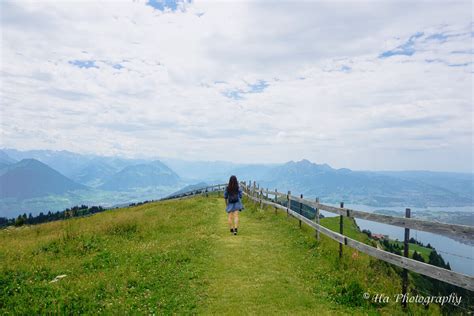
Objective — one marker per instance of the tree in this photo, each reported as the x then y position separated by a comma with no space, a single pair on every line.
3,221
436,260
418,257
20,221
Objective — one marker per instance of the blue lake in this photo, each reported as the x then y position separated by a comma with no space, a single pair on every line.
459,255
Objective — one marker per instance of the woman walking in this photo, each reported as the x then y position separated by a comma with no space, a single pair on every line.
233,202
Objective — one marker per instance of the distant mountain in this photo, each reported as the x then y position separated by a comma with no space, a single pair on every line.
191,187
5,160
73,165
388,188
64,161
250,172
152,174
460,183
216,171
95,173
362,187
31,178
210,171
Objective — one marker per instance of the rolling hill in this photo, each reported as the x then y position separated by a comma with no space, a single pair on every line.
153,174
31,178
152,259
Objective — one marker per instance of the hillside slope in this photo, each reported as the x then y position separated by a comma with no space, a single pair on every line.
179,257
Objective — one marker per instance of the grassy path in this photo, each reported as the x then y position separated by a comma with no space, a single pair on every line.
257,271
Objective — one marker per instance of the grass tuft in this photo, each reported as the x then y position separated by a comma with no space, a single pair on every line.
122,229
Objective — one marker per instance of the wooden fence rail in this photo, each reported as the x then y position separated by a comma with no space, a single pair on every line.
462,231
451,277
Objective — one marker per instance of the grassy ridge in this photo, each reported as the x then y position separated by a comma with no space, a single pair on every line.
143,260
178,257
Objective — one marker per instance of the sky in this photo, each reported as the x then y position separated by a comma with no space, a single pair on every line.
373,85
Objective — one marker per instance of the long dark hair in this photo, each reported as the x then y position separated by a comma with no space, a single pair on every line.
233,186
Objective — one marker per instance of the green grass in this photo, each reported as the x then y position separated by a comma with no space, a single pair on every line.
178,257
144,260
425,252
350,228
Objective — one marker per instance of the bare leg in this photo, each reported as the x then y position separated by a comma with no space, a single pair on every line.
229,219
236,219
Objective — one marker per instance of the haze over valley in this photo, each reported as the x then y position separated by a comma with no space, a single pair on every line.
42,180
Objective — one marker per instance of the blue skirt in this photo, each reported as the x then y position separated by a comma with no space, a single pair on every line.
231,207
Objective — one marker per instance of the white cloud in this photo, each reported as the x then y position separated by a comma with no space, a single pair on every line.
159,81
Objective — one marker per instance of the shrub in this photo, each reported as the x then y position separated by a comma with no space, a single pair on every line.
122,229
351,295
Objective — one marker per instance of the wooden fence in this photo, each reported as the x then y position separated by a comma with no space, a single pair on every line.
261,196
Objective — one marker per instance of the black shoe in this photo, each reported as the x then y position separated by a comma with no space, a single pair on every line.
235,231
232,231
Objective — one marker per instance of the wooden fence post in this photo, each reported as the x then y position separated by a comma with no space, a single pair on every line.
317,219
301,208
253,192
206,192
288,200
341,229
258,192
275,200
267,194
405,254
261,198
